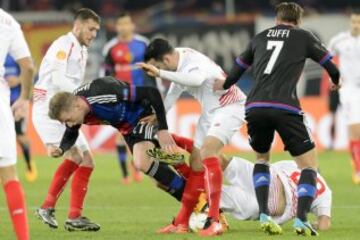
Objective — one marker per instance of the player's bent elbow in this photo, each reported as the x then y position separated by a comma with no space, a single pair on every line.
324,223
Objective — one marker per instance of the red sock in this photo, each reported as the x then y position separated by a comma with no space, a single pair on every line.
61,176
213,181
79,186
355,153
184,143
183,169
194,186
17,208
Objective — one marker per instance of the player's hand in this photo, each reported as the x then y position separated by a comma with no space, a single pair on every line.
20,108
150,70
218,85
167,142
335,87
151,119
54,151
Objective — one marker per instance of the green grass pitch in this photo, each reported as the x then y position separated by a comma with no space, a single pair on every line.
138,210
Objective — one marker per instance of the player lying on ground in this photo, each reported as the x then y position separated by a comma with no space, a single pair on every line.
113,102
239,199
222,115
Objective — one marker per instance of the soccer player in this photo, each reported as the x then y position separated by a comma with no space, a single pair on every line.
345,46
12,72
113,102
63,69
13,42
121,54
239,199
277,56
222,115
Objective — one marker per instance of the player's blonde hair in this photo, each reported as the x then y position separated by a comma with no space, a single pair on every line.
60,102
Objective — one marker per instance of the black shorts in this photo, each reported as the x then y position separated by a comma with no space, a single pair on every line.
20,127
334,101
141,133
263,122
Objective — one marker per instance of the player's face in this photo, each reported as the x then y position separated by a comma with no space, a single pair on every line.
72,117
355,24
125,26
87,31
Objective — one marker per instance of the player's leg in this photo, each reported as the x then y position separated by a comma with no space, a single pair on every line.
12,188
62,175
122,157
20,129
354,136
261,130
295,133
79,186
161,172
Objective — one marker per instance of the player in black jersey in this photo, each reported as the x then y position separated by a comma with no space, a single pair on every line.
116,103
277,56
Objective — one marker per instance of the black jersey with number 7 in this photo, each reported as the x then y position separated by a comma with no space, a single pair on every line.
277,56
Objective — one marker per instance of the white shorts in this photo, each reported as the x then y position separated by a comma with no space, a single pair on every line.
52,131
239,198
350,99
223,123
7,128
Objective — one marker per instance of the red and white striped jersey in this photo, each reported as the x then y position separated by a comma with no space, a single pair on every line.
190,61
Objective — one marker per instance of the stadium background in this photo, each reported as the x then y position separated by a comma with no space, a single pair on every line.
221,29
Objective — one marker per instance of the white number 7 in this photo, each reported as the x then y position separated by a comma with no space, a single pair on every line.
275,54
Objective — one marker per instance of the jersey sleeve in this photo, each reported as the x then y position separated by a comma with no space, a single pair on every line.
18,47
246,58
316,50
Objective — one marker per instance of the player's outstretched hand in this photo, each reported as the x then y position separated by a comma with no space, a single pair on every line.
20,108
150,70
167,142
218,84
54,151
151,119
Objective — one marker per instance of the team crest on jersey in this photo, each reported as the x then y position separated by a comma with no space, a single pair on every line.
61,55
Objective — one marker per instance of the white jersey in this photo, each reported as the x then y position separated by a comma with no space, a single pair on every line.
62,68
347,48
12,41
190,61
239,199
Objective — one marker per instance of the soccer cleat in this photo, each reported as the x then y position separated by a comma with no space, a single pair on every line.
47,216
355,175
304,228
81,224
223,221
202,204
171,159
269,226
211,228
177,229
31,175
125,180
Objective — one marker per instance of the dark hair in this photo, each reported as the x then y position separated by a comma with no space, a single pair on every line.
289,12
157,49
355,11
84,14
123,14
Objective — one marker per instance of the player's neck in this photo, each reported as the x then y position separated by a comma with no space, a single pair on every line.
125,38
355,34
84,106
283,23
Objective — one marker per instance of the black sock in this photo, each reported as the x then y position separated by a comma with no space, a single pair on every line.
261,180
306,192
122,154
167,177
27,156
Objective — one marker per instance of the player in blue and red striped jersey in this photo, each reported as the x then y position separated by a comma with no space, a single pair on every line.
121,55
12,72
